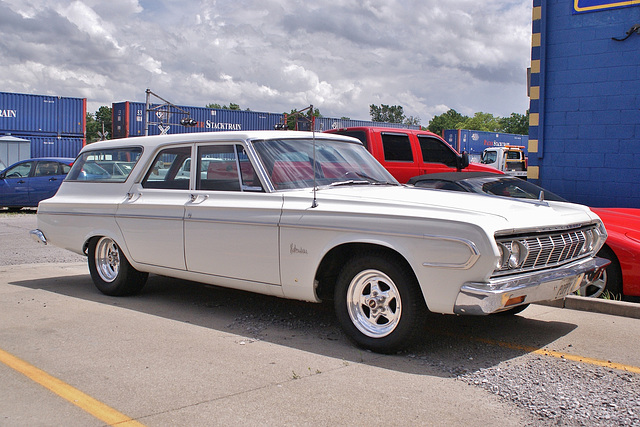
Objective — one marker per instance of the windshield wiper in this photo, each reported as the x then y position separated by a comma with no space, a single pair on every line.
350,182
366,179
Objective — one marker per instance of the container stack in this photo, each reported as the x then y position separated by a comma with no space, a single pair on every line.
129,120
54,125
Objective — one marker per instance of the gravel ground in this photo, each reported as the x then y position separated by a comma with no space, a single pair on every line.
561,392
555,391
16,247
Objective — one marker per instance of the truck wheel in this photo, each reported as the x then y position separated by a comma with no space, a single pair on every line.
378,303
111,272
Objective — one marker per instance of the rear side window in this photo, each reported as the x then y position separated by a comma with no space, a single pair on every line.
171,169
397,147
436,151
225,168
108,165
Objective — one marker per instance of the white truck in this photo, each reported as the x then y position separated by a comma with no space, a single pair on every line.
509,159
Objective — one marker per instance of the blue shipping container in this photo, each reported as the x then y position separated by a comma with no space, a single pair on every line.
53,146
326,123
129,120
474,142
42,115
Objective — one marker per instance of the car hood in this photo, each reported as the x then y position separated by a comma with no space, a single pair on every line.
621,220
503,213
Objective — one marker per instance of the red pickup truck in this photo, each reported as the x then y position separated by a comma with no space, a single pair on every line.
407,153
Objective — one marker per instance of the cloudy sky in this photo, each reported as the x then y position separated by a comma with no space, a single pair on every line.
273,55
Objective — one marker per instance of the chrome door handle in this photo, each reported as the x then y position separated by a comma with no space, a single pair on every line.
198,198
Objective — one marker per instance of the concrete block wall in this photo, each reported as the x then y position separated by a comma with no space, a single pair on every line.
585,104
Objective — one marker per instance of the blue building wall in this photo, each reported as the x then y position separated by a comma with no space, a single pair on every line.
584,138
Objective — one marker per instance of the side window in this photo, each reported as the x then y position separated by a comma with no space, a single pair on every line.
106,165
397,147
47,169
489,157
64,169
225,168
19,171
436,151
169,169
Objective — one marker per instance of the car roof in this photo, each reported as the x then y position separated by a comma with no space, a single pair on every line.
39,159
195,137
383,129
456,176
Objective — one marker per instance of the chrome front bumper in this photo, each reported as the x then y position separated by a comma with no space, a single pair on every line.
507,292
38,236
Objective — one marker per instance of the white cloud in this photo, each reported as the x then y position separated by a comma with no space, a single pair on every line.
273,55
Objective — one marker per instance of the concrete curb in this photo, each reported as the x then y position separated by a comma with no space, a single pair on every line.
597,305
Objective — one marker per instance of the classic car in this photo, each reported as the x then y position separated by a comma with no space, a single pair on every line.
622,247
314,217
27,182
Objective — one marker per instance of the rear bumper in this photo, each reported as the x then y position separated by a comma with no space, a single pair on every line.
506,292
38,236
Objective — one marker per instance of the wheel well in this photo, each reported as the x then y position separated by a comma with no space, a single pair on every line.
87,243
333,261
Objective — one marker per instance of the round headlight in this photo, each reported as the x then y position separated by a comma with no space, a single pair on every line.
589,240
502,250
514,258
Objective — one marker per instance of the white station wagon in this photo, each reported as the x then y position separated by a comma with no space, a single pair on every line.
313,217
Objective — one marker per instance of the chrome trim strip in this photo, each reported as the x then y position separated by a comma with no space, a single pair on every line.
473,257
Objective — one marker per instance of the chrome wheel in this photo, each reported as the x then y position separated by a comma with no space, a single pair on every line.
107,258
594,289
373,303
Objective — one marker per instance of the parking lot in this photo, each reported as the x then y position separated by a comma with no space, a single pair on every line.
183,353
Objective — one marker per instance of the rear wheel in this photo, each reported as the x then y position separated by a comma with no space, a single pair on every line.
111,272
378,302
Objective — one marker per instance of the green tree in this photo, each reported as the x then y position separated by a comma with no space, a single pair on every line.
481,121
412,121
231,106
516,123
387,113
448,120
98,123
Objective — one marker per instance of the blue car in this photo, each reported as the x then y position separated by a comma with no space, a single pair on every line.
26,183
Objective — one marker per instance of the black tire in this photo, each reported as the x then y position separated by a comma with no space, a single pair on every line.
379,303
612,274
110,270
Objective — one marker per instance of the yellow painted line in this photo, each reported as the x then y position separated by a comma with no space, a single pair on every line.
85,402
560,355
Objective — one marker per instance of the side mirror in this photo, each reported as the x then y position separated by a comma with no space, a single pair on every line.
463,160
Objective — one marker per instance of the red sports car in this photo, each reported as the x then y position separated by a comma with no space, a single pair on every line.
622,247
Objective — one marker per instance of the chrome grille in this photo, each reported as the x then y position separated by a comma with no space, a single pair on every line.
546,250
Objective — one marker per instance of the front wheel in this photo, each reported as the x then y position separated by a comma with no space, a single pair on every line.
609,282
111,272
378,302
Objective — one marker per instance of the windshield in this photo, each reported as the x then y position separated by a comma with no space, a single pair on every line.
508,187
290,163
